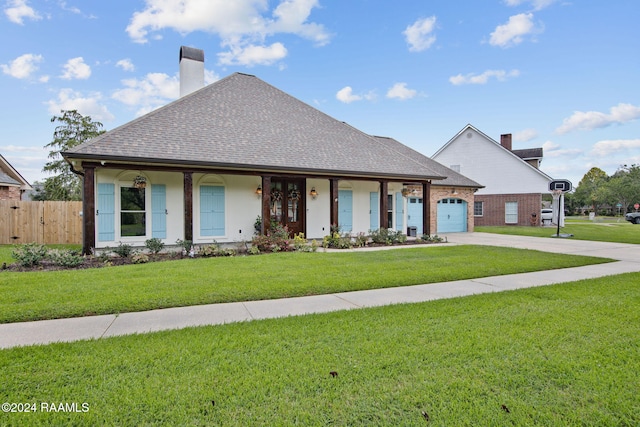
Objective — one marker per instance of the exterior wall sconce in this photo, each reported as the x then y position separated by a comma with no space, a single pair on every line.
454,191
313,193
259,191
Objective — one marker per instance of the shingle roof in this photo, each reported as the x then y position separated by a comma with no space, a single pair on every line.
528,153
453,178
244,123
7,180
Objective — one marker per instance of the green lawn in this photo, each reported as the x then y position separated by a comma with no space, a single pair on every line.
57,294
552,356
603,231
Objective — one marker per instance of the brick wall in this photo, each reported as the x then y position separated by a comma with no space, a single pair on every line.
439,193
9,193
494,208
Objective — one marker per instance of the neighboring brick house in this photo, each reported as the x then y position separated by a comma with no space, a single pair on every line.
513,182
12,184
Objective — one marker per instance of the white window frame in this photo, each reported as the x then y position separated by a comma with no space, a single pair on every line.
511,212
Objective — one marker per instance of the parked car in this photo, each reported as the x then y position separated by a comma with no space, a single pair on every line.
633,217
546,215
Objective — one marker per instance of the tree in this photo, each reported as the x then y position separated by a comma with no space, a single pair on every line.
73,130
624,186
587,190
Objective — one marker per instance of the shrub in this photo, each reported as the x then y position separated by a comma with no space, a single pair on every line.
185,245
384,236
300,243
361,240
154,245
336,240
123,250
140,258
276,239
30,254
65,258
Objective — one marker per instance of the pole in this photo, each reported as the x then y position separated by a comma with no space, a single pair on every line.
559,213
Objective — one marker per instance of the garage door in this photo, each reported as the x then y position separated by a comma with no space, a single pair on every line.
452,216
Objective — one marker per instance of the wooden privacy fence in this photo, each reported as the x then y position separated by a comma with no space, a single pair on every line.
40,222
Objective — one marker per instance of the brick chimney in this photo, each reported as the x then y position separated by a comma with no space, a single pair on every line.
505,141
191,70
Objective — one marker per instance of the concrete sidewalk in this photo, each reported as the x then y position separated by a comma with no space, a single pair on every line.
66,330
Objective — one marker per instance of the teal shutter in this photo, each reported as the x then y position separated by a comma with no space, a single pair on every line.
212,211
374,211
345,210
159,211
399,212
414,214
106,212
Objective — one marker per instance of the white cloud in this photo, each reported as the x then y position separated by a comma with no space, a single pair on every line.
155,90
18,10
607,147
537,4
525,135
75,68
480,79
23,66
68,99
419,35
346,95
126,64
551,149
513,31
400,91
242,25
621,113
253,55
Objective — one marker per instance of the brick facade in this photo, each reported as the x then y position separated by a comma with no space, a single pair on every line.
9,193
439,193
494,208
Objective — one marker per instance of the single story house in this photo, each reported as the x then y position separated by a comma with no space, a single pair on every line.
236,153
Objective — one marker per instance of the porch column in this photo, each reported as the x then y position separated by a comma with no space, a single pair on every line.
88,210
384,204
188,206
266,204
333,190
426,208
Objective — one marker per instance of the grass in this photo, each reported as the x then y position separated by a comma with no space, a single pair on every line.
556,355
602,231
72,293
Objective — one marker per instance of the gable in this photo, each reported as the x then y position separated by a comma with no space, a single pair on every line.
10,177
487,162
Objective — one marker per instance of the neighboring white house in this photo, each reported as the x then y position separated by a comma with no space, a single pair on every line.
513,186
208,165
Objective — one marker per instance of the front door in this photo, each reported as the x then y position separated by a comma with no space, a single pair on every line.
288,203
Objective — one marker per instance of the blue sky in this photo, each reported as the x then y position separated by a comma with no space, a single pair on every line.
562,75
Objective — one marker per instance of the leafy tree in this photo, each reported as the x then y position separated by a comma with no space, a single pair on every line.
74,129
587,190
624,186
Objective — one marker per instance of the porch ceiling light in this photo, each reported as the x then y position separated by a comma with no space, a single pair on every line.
313,193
